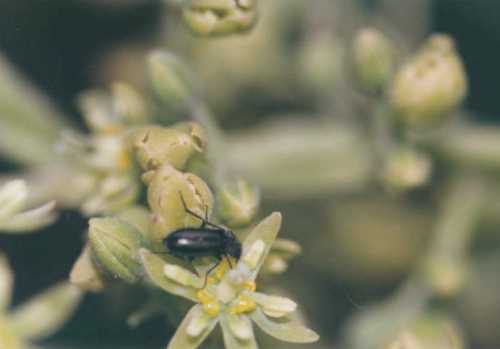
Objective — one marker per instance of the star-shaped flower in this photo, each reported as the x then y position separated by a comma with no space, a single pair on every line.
229,298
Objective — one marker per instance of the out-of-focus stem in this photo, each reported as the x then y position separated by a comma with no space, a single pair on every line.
465,144
29,124
446,260
296,159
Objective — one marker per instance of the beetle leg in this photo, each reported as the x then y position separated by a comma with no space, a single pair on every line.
210,270
229,261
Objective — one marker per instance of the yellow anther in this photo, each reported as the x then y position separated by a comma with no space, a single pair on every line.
243,305
211,308
250,285
204,296
211,280
222,269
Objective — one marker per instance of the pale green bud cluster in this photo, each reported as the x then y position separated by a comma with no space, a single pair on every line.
429,85
176,146
166,191
220,17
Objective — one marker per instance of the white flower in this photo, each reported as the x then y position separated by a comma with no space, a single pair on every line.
229,298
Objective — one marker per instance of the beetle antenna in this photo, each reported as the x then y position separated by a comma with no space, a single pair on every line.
194,214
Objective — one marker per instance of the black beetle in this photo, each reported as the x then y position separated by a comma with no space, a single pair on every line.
208,240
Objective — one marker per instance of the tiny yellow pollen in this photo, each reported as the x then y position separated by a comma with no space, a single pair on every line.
244,305
222,269
212,308
211,280
204,296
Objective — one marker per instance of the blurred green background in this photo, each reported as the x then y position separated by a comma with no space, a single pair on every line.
61,46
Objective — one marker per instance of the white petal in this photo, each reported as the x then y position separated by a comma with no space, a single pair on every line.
182,276
240,326
272,305
287,331
30,220
154,267
266,231
12,198
231,341
182,339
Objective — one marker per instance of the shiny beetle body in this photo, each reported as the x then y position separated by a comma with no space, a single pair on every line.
190,243
208,240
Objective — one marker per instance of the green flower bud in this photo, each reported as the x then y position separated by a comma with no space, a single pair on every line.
428,87
320,62
374,59
171,80
220,17
167,190
406,168
85,274
115,245
156,146
238,203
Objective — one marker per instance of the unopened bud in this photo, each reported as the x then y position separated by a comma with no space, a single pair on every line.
156,146
220,17
428,87
171,80
115,245
168,191
238,203
374,59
